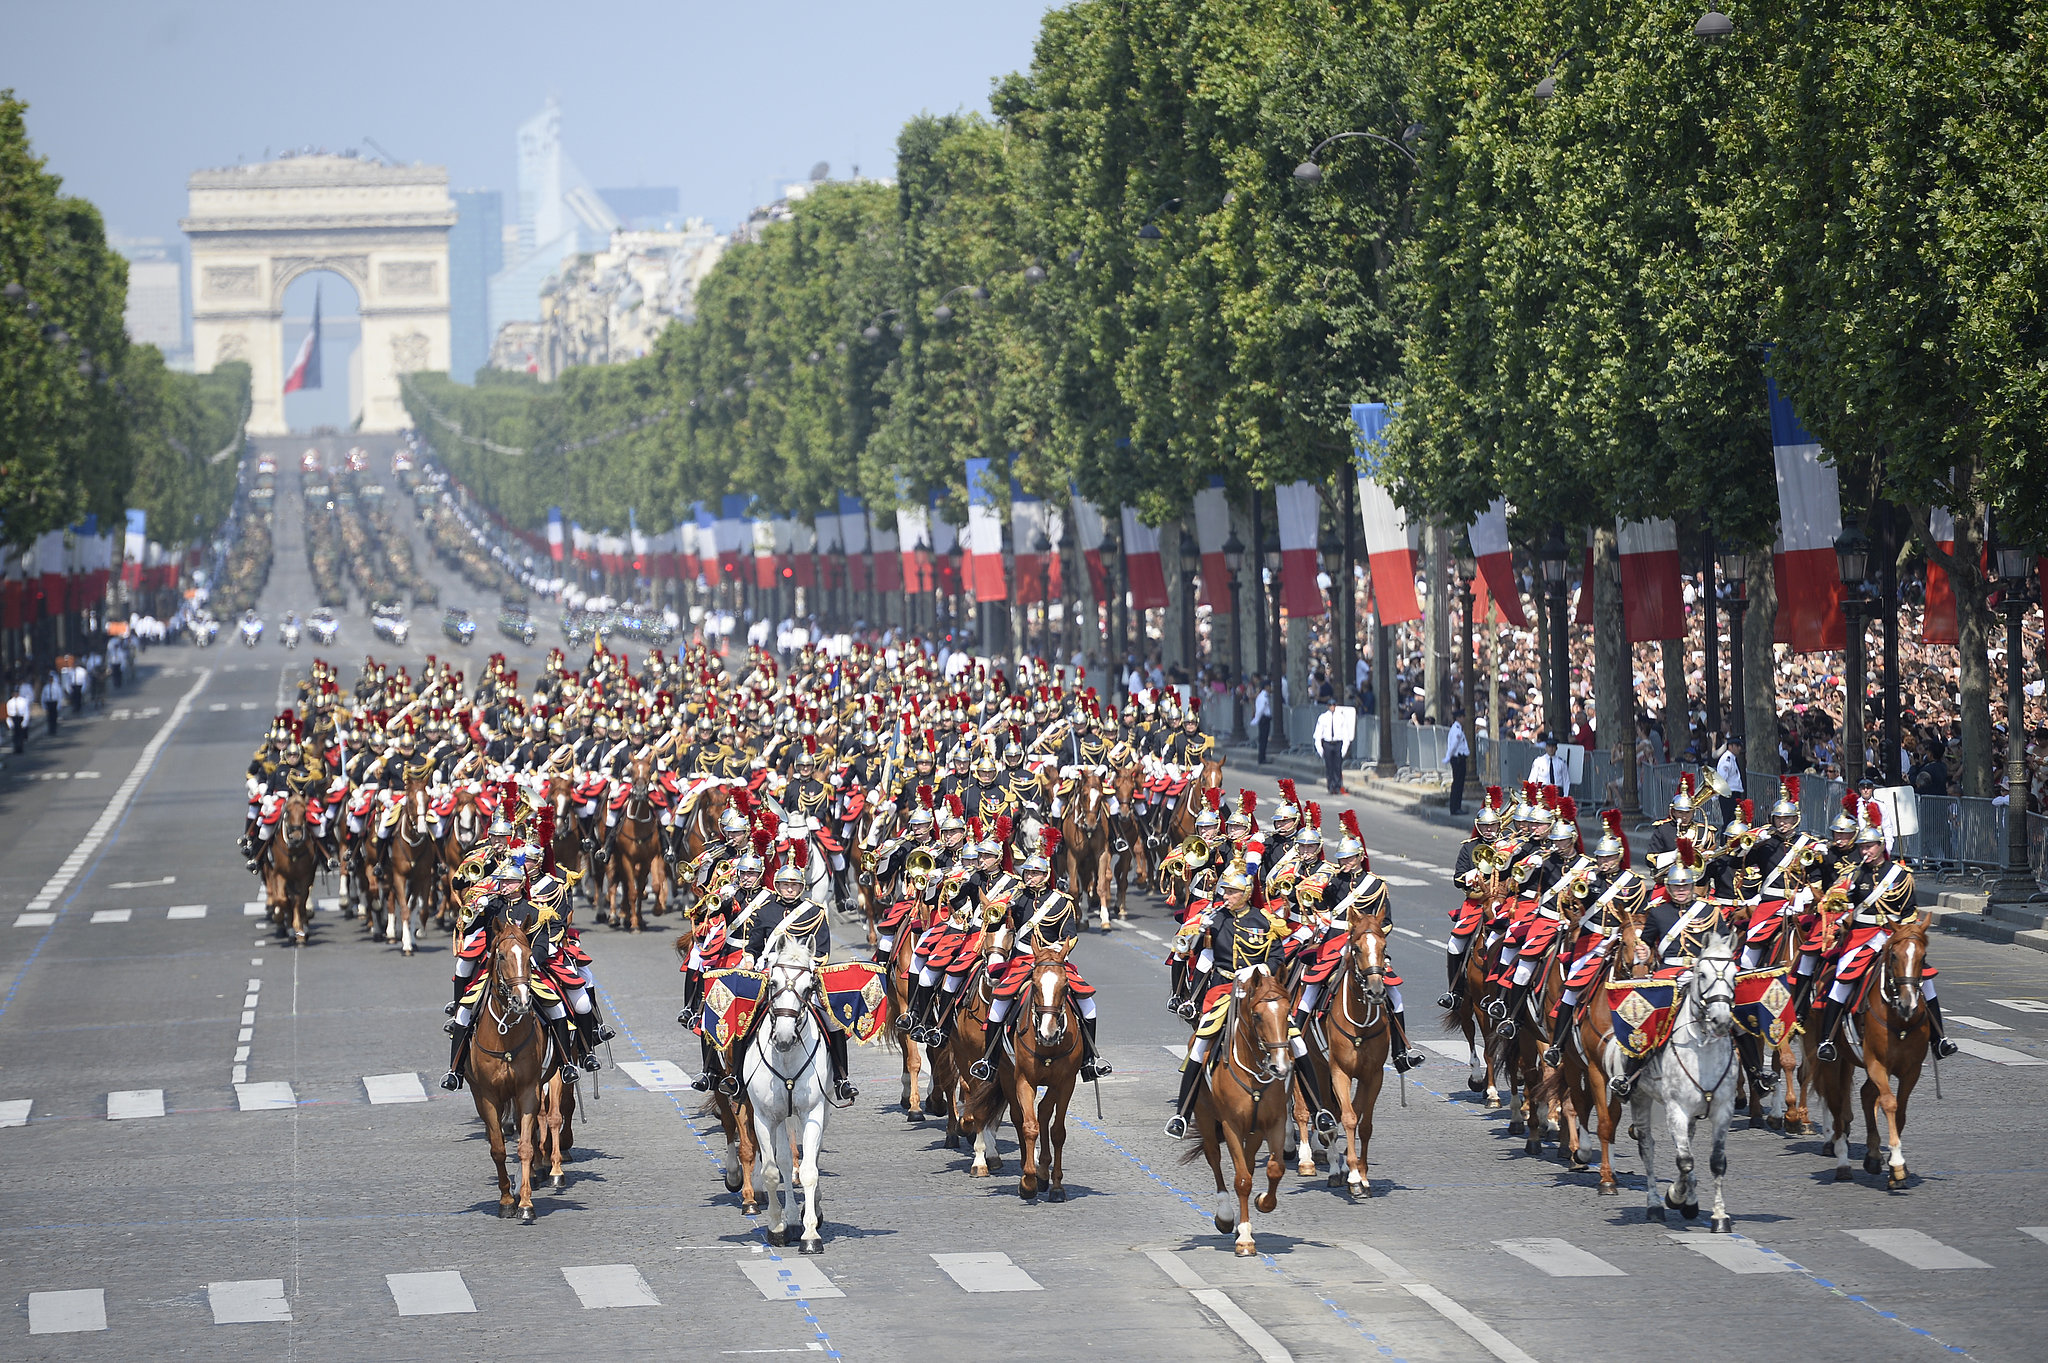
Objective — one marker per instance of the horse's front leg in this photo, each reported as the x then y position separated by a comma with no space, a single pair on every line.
771,1141
527,1115
1720,1112
807,1174
494,1130
1052,1121
1641,1109
1241,1168
1024,1112
1684,1196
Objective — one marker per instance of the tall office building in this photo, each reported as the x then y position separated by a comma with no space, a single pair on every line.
560,216
476,251
156,297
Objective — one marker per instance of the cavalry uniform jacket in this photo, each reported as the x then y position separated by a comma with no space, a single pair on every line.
808,924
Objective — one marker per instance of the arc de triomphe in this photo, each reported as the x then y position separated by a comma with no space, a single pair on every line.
256,228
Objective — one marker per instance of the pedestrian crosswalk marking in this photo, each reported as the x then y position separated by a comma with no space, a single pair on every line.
1916,1249
267,1096
394,1088
245,1303
14,1112
1737,1256
183,911
430,1294
2038,1232
131,1103
1981,1024
605,1286
1997,1055
657,1076
65,1313
254,908
35,919
990,1272
790,1280
1560,1258
2023,1005
112,915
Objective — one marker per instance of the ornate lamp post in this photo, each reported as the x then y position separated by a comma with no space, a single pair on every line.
1276,667
2015,566
1468,666
1233,559
1557,705
1735,572
1042,547
1190,568
1852,561
1112,551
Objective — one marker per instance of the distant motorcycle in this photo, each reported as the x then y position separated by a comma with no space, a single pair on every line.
288,634
203,630
251,632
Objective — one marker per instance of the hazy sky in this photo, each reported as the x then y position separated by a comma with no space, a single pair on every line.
727,101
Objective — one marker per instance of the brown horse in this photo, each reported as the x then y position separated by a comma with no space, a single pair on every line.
899,1009
289,869
1893,1031
735,1115
1357,1033
414,858
636,864
567,843
1084,843
974,1110
1580,1080
1242,1102
556,1128
1045,1036
510,1058
1124,826
1179,823
467,826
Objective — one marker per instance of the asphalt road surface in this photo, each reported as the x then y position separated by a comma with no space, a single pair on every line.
219,1146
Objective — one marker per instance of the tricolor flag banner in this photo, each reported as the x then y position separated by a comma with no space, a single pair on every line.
1027,523
686,542
305,370
131,547
1144,573
580,544
1938,625
707,545
761,544
947,566
853,533
885,562
554,532
803,554
1489,538
1299,511
914,532
783,559
1652,595
826,532
1088,535
1809,519
1212,532
1389,543
984,566
636,543
730,534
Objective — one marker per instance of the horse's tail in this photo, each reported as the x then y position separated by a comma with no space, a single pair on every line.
682,944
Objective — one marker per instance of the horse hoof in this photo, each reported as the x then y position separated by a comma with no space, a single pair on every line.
1533,1146
1494,1102
1224,1227
1056,1195
912,1115
1334,1181
1828,1150
809,1247
1577,1163
1690,1211
750,1209
506,1211
1655,1214
777,1239
1776,1124
952,1141
1245,1251
995,1163
1842,1175
977,1173
1476,1085
1724,1225
526,1216
1895,1180
732,1182
1872,1164
1517,1126
559,1183
1610,1190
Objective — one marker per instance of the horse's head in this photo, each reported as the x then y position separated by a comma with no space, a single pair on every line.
1088,802
512,970
1212,774
1049,994
1906,957
792,984
1712,990
1262,1021
1369,956
294,830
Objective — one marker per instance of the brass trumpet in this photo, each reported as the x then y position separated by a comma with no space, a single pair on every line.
918,869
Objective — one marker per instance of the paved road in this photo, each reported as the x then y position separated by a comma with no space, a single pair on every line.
216,1144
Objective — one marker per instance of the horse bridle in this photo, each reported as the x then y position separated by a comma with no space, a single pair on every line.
1893,981
1372,988
1057,1044
776,1010
1699,1000
1263,1075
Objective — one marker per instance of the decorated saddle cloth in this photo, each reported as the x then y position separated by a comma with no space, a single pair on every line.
1644,1011
1763,1004
857,995
731,998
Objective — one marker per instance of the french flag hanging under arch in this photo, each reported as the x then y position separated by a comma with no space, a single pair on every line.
305,370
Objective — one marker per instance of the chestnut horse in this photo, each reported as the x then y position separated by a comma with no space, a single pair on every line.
1242,1101
1357,1034
510,1058
1084,842
414,856
1179,824
1046,1039
636,864
289,870
1580,1079
1124,826
974,1110
1894,1031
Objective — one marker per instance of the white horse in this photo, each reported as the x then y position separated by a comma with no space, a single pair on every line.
1693,1076
786,1073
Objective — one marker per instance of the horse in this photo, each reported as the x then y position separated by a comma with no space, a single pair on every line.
556,1129
567,844
969,1116
1084,842
636,864
506,1081
1250,1109
784,1072
414,856
1357,1034
1177,824
1045,1045
289,871
1124,826
899,982
1469,1016
862,840
1580,1081
1692,1076
1893,1031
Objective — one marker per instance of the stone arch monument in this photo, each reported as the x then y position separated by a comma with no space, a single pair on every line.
383,228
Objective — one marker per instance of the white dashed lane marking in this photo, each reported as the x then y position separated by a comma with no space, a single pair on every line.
269,1096
129,1104
607,1286
66,1313
1916,1249
394,1088
15,1111
1981,1024
430,1294
992,1272
245,1303
1737,1256
1997,1055
790,1280
1560,1258
657,1076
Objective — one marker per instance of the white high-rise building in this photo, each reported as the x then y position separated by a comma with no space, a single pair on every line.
560,216
156,298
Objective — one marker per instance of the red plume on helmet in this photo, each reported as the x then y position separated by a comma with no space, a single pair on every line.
1017,734
974,828
762,839
1788,787
1049,841
1350,822
1850,803
1287,791
1247,803
772,821
954,807
1568,812
799,852
1003,827
743,801
544,834
1686,855
1315,816
924,797
1747,809
1685,783
1612,818
1214,795
1873,815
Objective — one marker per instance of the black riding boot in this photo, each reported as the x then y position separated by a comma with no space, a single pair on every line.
842,1069
713,1071
456,1049
1751,1049
1093,1066
1190,1075
1405,1056
912,1020
1802,989
941,1025
592,1031
1312,1091
984,1069
1943,1047
1454,981
1619,1087
1830,1018
1510,1005
565,1043
1177,978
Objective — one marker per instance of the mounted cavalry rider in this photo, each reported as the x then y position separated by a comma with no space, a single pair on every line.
1352,890
1243,938
500,893
267,776
789,917
1877,897
1041,915
1676,922
1474,872
724,915
1616,895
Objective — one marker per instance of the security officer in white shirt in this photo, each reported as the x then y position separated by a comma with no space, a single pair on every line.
1550,769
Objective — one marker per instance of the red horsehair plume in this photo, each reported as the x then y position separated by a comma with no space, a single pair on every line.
811,745
743,801
1788,788
1686,855
954,807
974,828
1850,803
1214,795
1747,809
544,834
1496,798
1049,838
1530,794
1551,797
1247,802
799,852
1313,813
1003,828
1017,734
1287,791
1568,812
924,797
1872,815
1350,822
762,839
1685,783
1612,818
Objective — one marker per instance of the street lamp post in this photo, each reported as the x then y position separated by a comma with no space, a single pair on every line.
1012,638
1259,613
1233,559
1558,710
1042,547
1112,551
1735,572
1468,667
1277,660
1852,562
1190,567
2016,885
